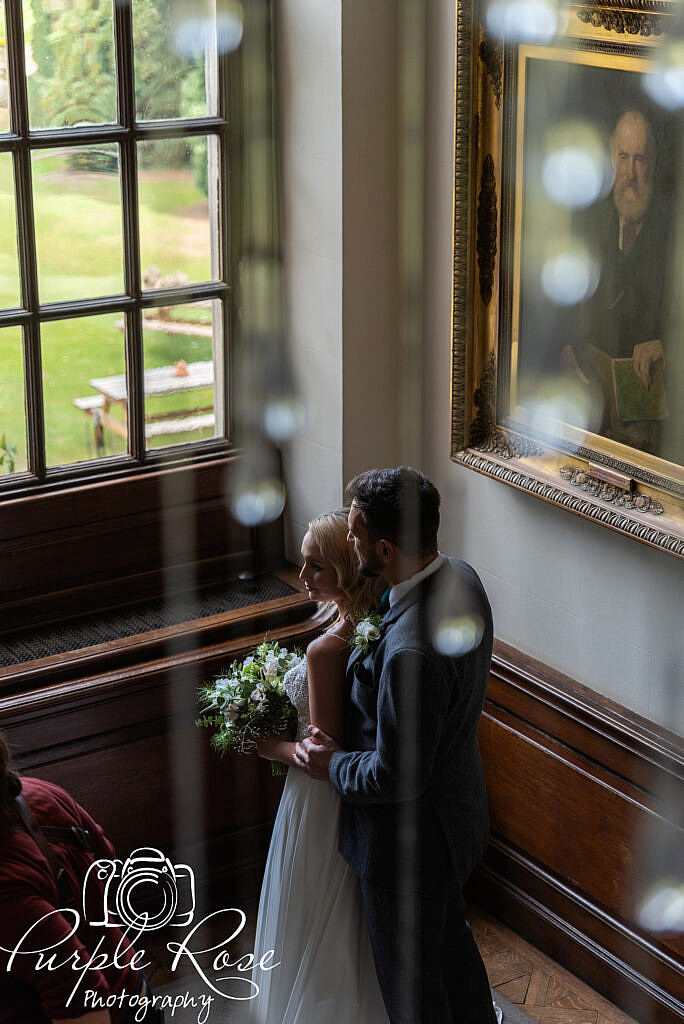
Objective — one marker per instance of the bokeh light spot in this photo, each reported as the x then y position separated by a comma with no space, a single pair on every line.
260,503
458,636
526,21
665,83
662,910
283,418
563,400
577,169
195,31
570,276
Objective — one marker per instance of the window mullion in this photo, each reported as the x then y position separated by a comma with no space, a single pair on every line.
225,81
19,114
125,78
230,145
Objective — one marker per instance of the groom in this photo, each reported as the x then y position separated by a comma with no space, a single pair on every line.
414,818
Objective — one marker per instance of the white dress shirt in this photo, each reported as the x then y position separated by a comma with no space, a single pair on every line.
400,590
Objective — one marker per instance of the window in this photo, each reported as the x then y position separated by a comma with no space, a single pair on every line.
114,288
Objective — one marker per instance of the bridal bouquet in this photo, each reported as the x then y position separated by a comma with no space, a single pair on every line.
248,701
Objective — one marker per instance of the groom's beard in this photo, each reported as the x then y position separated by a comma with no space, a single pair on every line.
370,570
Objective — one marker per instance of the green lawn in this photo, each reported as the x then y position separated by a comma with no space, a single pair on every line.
78,232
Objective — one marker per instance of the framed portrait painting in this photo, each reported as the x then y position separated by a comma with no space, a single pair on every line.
568,347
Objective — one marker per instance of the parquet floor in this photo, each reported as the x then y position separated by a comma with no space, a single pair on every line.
533,982
543,990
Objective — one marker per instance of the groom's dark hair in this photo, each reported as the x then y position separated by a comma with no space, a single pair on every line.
399,505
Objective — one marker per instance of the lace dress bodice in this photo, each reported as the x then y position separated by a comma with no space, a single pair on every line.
297,688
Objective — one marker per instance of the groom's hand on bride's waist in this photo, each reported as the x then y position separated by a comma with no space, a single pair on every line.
313,753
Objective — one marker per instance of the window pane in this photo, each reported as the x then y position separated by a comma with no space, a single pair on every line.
12,409
4,77
77,199
179,373
9,265
71,71
173,76
177,238
84,420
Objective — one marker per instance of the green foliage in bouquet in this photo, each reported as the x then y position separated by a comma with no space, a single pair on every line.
248,701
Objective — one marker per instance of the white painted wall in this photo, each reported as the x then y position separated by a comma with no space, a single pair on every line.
370,297
310,83
340,243
597,606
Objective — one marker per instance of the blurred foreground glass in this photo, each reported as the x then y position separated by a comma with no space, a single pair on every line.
12,419
70,62
171,79
77,204
9,266
82,420
178,196
182,375
259,493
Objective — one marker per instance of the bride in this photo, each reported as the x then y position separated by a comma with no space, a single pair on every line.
310,909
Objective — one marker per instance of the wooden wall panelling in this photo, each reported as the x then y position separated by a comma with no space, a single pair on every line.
585,797
124,743
102,545
586,810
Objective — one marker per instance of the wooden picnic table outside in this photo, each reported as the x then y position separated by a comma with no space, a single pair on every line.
158,381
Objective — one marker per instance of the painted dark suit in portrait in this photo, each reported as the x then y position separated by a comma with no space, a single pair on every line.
630,235
628,306
629,309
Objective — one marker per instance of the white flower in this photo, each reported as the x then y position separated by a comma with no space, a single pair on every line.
271,667
258,694
248,661
368,630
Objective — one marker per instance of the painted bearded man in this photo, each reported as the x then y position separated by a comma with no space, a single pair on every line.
625,318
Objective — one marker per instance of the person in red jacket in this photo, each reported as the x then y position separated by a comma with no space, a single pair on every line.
54,986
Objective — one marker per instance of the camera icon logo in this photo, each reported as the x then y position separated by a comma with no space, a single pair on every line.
145,892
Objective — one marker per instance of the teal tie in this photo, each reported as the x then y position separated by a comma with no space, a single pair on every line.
383,606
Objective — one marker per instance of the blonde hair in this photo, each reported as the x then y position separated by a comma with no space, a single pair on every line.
361,595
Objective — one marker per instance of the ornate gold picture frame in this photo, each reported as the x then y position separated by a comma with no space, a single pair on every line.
568,325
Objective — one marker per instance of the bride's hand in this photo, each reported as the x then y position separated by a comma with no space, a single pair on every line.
313,754
268,747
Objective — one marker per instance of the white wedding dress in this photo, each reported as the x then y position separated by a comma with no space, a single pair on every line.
310,910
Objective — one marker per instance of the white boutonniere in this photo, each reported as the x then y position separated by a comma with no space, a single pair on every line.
367,632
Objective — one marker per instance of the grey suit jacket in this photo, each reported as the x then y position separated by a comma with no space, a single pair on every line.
414,809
